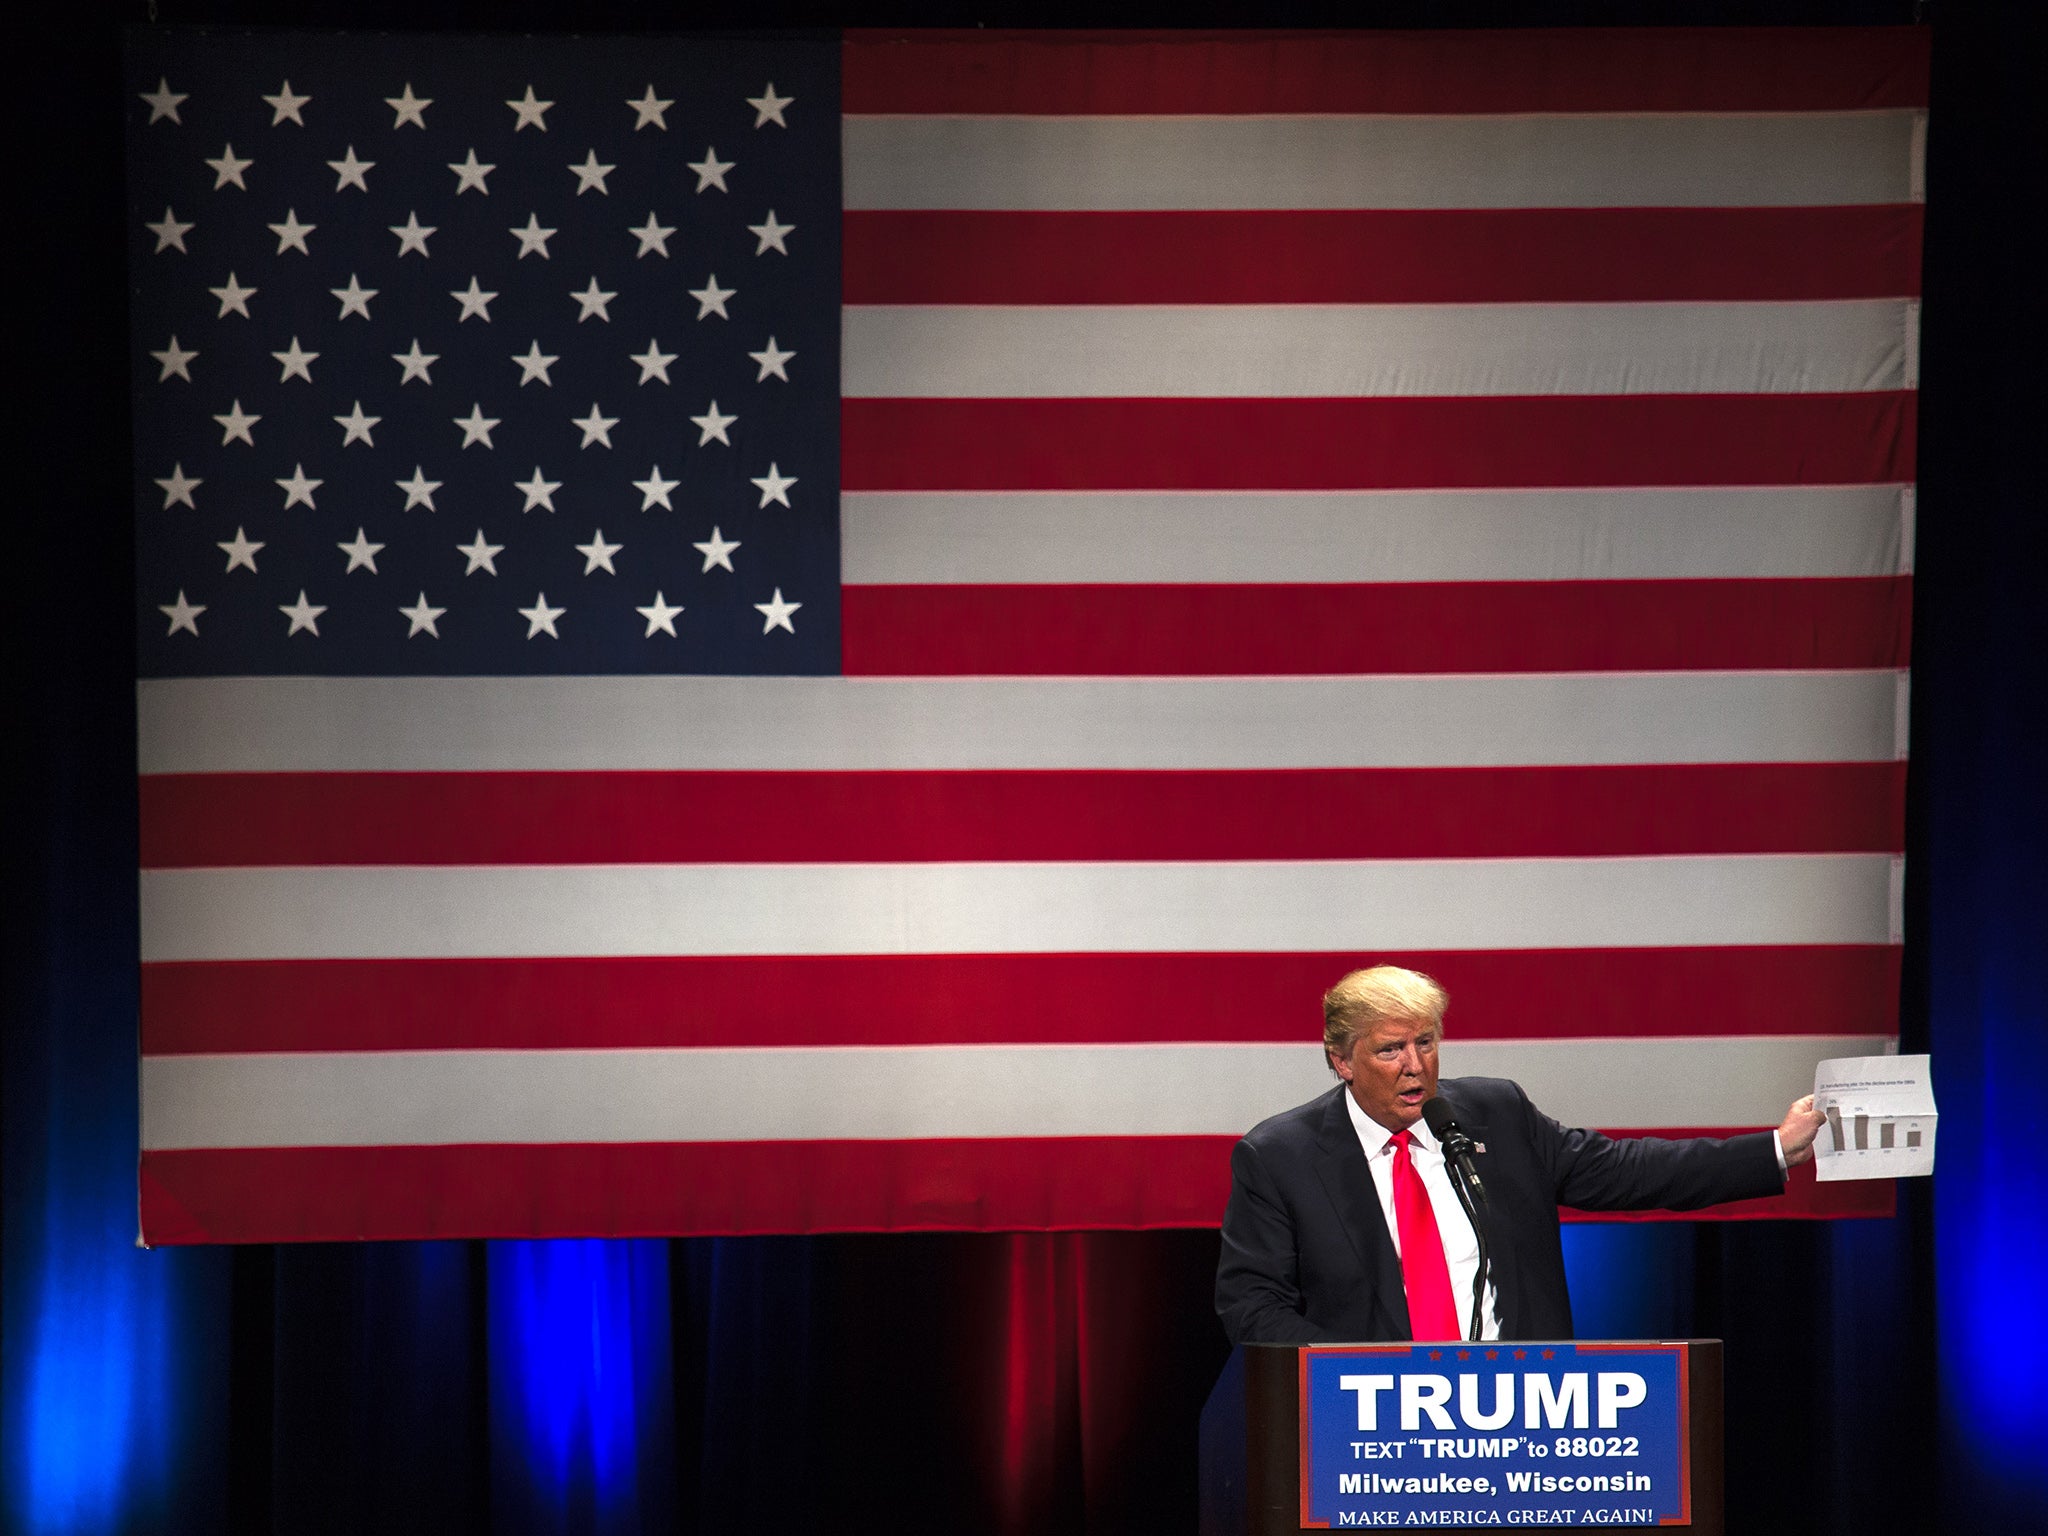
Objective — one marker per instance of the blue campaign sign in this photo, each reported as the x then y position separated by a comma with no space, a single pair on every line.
1418,1435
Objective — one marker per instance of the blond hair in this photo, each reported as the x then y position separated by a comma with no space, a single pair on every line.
1365,998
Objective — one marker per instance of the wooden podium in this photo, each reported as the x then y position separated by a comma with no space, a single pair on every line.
1251,1455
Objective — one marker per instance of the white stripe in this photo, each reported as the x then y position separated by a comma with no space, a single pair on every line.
483,724
1013,908
1608,160
1319,351
443,1098
1371,536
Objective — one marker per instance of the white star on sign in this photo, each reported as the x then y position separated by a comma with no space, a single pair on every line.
535,365
649,109
415,363
532,239
482,556
228,168
177,360
291,234
241,550
717,550
590,175
234,298
768,107
772,235
592,301
419,490
355,426
355,298
775,486
296,362
775,613
540,618
652,236
532,113
422,616
300,488
653,362
711,170
660,614
711,426
182,614
304,615
410,108
773,360
596,428
654,489
170,234
711,298
597,555
474,301
539,492
351,172
361,553
163,102
285,105
412,235
177,487
476,427
236,424
469,175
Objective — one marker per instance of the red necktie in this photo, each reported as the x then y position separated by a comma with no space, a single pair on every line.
1427,1278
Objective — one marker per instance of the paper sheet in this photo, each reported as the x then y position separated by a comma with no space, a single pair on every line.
1880,1117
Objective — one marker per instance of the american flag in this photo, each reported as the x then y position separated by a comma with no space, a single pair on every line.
807,633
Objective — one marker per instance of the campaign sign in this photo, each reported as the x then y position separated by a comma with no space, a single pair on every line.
1494,1434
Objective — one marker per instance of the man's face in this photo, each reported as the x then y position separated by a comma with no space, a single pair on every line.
1392,1070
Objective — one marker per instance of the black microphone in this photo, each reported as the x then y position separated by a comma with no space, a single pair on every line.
1458,1147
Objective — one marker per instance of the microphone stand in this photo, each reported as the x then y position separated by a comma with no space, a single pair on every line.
1458,1183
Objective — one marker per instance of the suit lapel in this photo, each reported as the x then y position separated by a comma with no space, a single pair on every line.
1348,1182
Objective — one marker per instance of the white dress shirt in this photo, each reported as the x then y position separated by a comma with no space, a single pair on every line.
1461,1244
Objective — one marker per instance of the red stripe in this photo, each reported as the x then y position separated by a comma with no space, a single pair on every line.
1530,255
338,1194
360,1005
239,820
1674,69
1340,444
1414,627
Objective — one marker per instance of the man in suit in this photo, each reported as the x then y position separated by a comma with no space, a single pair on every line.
1343,1225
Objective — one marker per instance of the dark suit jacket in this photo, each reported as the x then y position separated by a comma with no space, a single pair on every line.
1306,1253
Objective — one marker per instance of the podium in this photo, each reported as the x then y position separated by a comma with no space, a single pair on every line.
1256,1468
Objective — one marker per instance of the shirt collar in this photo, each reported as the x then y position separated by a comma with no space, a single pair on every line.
1376,1136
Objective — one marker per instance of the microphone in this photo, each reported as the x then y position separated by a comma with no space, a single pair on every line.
1458,1147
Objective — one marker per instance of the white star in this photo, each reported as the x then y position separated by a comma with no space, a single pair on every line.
236,424
660,614
591,175
654,489
474,301
412,234
711,298
652,236
717,550
299,488
351,172
234,298
768,107
482,556
773,360
229,168
597,554
772,235
469,175
540,618
653,362
175,359
711,170
775,486
775,613
532,239
296,362
355,426
361,553
422,616
163,102
415,363
649,109
532,113
711,426
355,298
535,365
286,105
182,614
302,614
592,301
291,234
240,550
476,427
596,428
410,108
170,234
539,492
177,487
419,490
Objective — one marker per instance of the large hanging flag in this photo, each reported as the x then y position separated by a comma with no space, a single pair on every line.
806,634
